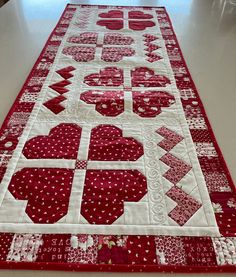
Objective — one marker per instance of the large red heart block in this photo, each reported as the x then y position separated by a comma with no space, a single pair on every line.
149,103
61,143
108,144
84,38
111,24
116,54
112,14
47,191
80,53
109,76
140,25
146,77
105,192
107,103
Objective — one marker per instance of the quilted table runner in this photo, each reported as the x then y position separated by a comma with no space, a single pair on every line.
107,159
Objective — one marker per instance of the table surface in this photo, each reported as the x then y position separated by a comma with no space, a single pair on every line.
206,30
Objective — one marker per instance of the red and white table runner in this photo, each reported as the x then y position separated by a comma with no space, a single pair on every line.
108,161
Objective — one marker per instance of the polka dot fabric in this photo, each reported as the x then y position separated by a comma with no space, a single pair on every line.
108,144
105,192
5,244
61,143
141,250
117,169
46,190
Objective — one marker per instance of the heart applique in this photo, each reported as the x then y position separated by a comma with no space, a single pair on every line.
146,77
46,190
107,103
111,24
105,192
116,54
112,14
109,76
150,103
140,25
84,38
139,15
80,53
61,143
117,39
108,144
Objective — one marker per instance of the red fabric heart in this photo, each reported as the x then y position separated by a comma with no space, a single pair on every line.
107,103
61,143
111,24
139,15
80,53
116,54
47,191
84,38
112,14
109,76
117,39
149,103
105,192
108,144
140,25
145,77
